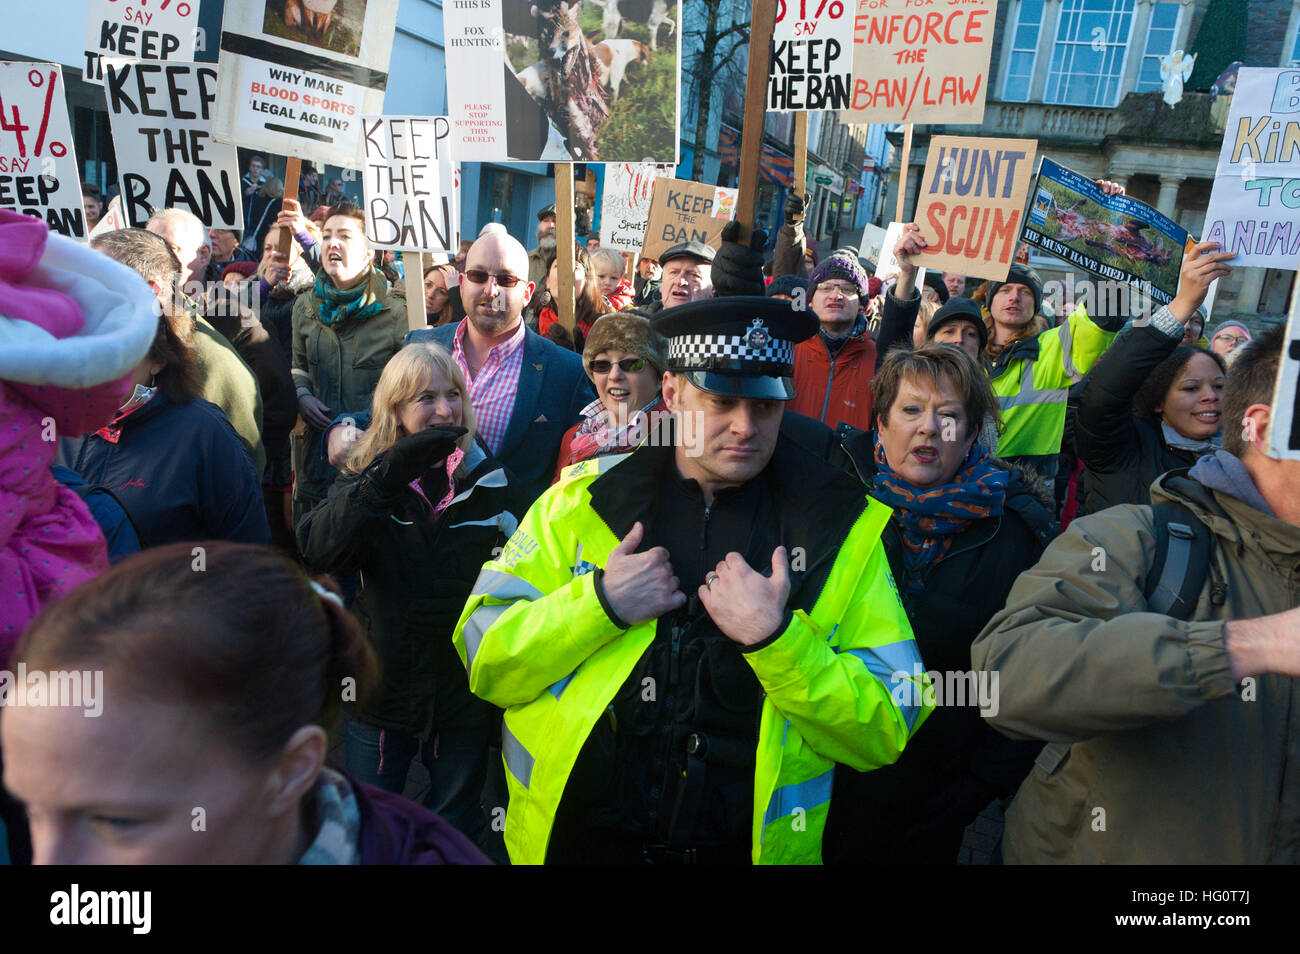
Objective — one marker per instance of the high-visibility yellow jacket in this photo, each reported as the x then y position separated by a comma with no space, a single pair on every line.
1032,379
843,682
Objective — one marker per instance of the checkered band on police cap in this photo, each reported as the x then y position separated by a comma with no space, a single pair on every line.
756,351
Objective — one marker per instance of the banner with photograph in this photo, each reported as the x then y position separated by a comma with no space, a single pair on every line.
296,76
686,211
625,204
139,31
1116,238
409,183
161,116
812,56
1254,206
39,175
1284,431
563,82
915,63
971,200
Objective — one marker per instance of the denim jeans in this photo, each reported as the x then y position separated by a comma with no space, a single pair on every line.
456,758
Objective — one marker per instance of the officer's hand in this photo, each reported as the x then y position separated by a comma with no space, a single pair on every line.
640,586
747,606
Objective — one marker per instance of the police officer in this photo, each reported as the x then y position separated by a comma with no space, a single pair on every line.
686,639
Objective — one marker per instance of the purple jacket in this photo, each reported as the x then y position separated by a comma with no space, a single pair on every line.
397,831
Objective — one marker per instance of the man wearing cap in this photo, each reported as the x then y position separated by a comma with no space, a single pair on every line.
688,638
833,368
686,276
1031,371
539,259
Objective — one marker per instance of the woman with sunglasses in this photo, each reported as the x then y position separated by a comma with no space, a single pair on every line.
625,359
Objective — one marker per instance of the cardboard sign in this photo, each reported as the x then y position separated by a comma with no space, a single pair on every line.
1113,237
683,211
812,56
625,204
39,175
1254,207
528,82
143,30
161,115
919,62
410,188
1284,431
971,201
295,81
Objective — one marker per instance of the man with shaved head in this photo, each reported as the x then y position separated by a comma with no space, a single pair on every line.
525,391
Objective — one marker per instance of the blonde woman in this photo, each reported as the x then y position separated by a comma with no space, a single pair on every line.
418,509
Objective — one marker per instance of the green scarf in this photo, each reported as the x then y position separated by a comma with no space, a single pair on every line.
360,302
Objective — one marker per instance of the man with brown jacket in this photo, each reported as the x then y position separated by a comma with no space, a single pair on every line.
1174,741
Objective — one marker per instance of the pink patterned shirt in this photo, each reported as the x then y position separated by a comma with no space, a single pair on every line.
492,393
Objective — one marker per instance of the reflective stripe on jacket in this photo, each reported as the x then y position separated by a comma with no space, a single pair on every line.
840,681
1032,378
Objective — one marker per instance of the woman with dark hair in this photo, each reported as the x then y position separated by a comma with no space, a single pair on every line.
419,509
172,459
442,304
588,303
222,688
963,528
1153,404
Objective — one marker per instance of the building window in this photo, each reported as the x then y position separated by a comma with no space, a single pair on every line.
1161,36
1294,59
1088,57
1024,50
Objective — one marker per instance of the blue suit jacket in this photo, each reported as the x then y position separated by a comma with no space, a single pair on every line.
553,390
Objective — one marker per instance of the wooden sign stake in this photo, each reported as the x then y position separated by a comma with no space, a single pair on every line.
564,241
801,154
292,170
762,23
902,173
413,268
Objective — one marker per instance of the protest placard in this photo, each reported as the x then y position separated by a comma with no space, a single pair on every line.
921,65
873,240
166,30
1113,237
1254,208
812,56
1284,431
407,176
161,116
972,197
625,204
887,267
39,175
298,85
528,82
685,211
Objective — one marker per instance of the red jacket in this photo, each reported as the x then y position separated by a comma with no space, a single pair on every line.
839,391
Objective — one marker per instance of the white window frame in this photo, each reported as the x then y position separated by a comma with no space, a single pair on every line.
1146,46
1011,49
1123,56
1289,48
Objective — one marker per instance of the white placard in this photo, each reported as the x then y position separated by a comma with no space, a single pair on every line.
409,182
140,30
812,56
625,204
39,175
161,115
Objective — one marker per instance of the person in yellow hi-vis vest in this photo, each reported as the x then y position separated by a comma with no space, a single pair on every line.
688,638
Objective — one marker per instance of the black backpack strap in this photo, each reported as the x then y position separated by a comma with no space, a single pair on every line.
1182,560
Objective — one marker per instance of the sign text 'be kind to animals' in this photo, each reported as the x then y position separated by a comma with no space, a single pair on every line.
812,56
409,183
921,61
140,30
161,115
971,201
1254,208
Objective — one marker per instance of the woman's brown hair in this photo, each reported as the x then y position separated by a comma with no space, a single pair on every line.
231,630
936,364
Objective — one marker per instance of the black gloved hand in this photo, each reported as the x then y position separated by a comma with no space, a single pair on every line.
737,269
794,208
410,458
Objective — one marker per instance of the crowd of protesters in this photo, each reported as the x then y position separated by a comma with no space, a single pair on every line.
1082,518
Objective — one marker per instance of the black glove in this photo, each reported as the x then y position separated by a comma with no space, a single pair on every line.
794,208
410,458
738,270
